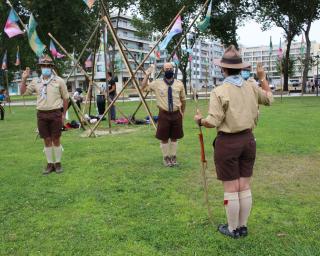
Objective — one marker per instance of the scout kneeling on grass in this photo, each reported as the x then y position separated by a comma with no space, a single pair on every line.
233,111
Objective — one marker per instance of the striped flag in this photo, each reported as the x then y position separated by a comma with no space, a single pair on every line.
12,28
89,3
35,43
54,51
176,29
18,61
88,63
4,61
176,59
203,25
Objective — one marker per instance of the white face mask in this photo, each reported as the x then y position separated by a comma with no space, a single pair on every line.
46,71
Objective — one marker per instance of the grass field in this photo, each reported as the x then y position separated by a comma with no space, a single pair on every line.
116,198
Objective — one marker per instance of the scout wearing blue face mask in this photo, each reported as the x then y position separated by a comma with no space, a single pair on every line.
245,74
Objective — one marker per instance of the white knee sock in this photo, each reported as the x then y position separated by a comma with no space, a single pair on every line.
245,200
173,148
48,152
165,149
231,204
58,153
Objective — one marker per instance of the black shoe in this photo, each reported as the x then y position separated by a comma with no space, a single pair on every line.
243,231
223,229
49,168
58,168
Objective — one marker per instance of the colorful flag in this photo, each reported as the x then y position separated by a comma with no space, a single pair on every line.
203,25
4,61
270,46
176,29
89,3
54,51
88,63
176,59
35,43
280,51
302,46
18,61
12,28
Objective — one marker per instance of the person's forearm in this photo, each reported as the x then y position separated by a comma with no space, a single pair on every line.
145,81
23,86
265,85
65,106
183,106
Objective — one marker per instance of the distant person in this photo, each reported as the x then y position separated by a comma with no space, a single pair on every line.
52,104
233,111
3,96
78,97
112,94
171,101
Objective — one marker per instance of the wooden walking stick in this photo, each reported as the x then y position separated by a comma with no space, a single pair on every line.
204,167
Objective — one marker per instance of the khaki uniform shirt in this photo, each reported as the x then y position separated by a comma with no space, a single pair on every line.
160,89
55,94
233,109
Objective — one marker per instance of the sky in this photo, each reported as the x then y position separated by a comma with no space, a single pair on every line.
252,35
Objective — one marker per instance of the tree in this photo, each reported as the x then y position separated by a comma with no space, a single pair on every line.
226,16
286,15
71,22
311,11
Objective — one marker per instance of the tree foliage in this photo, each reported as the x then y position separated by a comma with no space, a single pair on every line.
286,15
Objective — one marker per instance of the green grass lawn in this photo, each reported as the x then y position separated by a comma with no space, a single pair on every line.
116,198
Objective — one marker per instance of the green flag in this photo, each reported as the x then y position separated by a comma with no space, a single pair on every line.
270,46
203,25
35,43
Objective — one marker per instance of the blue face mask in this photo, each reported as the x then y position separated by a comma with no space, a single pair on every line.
46,71
245,74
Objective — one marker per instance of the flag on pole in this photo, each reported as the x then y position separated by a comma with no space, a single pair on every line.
203,25
302,46
176,59
176,29
18,61
270,46
54,51
89,3
88,63
280,51
4,61
35,43
12,28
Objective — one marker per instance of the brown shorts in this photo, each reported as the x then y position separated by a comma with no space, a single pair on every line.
234,155
169,125
49,123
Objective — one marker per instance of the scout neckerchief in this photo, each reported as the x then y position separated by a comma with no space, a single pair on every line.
170,98
236,80
44,84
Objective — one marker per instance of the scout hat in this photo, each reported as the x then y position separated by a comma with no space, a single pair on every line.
231,59
46,60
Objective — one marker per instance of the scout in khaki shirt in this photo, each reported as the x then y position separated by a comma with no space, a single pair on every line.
171,101
233,111
52,104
